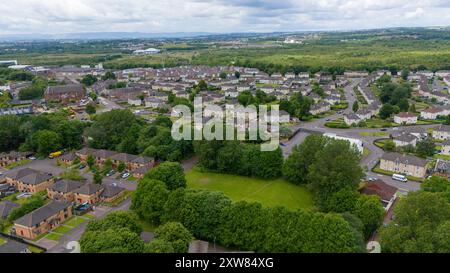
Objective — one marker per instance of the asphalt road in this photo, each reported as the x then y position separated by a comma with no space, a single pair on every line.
318,127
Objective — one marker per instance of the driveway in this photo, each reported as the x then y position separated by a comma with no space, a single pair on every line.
75,234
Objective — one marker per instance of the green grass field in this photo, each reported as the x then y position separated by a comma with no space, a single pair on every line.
368,134
267,192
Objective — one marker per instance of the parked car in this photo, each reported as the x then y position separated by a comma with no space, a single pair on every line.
6,193
111,172
383,129
32,158
24,195
125,175
82,167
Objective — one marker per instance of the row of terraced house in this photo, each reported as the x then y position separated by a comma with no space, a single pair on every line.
136,164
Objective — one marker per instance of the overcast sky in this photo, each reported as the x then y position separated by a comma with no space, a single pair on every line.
68,16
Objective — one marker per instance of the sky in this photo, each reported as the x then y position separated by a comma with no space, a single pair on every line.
218,16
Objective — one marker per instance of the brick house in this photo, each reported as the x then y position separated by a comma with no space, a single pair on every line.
111,193
432,113
11,157
68,158
403,164
6,207
88,193
386,192
42,220
64,93
29,180
63,190
132,162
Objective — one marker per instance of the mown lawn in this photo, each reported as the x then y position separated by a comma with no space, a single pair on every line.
267,192
367,134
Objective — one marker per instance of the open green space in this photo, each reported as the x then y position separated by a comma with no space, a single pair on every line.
2,241
376,122
337,123
267,192
17,164
53,236
381,142
369,134
75,221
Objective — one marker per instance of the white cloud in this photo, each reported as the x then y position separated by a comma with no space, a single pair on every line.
62,16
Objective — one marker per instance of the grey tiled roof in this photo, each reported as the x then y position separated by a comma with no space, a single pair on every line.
110,191
88,189
405,159
66,186
37,216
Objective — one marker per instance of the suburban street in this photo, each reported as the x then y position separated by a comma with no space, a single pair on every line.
318,127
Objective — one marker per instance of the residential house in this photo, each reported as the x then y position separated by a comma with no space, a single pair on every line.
403,164
364,113
62,190
442,132
446,147
64,93
356,143
89,193
405,118
134,100
6,207
432,113
30,180
387,193
11,157
111,193
405,140
442,167
42,220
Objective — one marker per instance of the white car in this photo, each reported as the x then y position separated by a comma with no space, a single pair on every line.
125,175
24,195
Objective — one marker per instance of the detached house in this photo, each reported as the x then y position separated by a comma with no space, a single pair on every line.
403,164
42,220
29,180
386,192
445,147
405,118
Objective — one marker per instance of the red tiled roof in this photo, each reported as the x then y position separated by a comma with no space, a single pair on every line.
378,187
